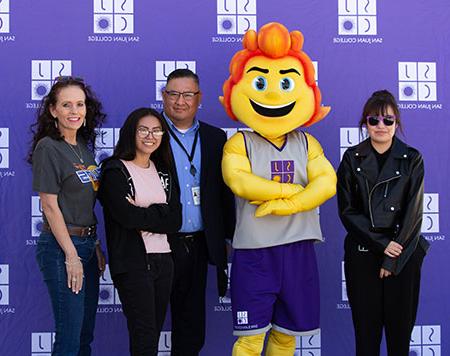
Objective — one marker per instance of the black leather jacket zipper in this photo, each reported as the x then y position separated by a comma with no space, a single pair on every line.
372,190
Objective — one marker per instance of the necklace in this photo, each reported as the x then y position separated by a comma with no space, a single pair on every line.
79,156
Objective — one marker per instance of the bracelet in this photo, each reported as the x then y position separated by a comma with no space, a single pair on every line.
97,242
73,263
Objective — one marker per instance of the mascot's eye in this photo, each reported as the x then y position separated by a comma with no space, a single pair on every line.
260,83
287,84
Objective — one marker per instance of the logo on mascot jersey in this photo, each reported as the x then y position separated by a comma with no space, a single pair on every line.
357,17
114,16
430,222
417,81
105,142
162,71
4,147
282,171
425,340
4,16
242,317
4,284
42,74
235,17
308,345
42,343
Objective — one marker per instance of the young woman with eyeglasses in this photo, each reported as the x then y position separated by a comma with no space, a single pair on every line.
66,176
380,197
141,205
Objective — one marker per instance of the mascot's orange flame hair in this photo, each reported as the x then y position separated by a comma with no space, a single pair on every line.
273,41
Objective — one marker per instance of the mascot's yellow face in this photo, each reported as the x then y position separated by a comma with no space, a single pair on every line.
272,97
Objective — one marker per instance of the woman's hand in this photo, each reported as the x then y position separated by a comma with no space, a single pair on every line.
101,259
75,275
384,273
393,249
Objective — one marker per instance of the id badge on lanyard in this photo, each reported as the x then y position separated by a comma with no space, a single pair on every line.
196,195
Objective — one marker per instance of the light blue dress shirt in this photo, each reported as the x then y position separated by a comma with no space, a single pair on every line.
191,213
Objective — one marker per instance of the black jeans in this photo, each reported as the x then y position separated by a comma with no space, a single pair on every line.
390,302
188,294
145,295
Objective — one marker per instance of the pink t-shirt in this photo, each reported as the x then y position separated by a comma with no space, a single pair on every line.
148,190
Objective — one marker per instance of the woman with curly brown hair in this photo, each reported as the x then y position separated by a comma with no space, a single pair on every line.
66,175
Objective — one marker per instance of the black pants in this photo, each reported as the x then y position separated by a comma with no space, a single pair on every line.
376,303
145,295
187,301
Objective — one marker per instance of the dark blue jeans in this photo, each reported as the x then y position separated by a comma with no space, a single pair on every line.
74,313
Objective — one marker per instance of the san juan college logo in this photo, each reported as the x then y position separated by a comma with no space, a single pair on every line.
4,284
425,340
42,344
417,81
164,68
43,72
114,16
4,16
105,142
4,147
235,17
357,17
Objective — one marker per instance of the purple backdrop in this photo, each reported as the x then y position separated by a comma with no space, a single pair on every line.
125,49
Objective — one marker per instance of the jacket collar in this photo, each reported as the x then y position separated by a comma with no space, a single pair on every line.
399,149
369,165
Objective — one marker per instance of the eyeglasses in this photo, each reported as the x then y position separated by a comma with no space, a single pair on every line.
143,132
175,95
388,120
68,78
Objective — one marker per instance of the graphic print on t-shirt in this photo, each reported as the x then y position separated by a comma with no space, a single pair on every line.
90,174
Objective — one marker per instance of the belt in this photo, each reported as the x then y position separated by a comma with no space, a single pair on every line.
79,231
188,235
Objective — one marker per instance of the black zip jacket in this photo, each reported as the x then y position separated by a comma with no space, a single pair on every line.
377,207
123,221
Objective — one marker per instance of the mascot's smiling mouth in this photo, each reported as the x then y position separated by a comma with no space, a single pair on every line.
272,110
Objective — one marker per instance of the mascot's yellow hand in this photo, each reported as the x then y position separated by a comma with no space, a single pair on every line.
281,207
257,202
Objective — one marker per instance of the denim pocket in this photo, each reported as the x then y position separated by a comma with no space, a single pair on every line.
85,247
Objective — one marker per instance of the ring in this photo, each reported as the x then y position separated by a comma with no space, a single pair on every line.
74,279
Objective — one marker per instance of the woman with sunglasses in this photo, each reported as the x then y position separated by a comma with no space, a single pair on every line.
66,176
141,205
380,197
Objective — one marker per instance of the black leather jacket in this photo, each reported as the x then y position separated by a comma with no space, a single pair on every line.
377,208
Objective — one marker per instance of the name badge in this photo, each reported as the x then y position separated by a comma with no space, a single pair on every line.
196,195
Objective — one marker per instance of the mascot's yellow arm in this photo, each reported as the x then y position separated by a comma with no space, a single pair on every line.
238,175
278,198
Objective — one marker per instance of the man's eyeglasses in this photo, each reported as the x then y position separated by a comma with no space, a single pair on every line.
143,132
388,120
68,78
175,95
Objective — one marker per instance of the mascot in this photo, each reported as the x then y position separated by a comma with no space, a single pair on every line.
279,176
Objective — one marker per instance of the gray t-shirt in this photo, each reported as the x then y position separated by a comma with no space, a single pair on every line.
57,169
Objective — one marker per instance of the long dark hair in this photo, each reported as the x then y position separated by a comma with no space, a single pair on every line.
45,123
126,146
379,103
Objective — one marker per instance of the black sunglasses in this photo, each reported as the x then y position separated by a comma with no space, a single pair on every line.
373,120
